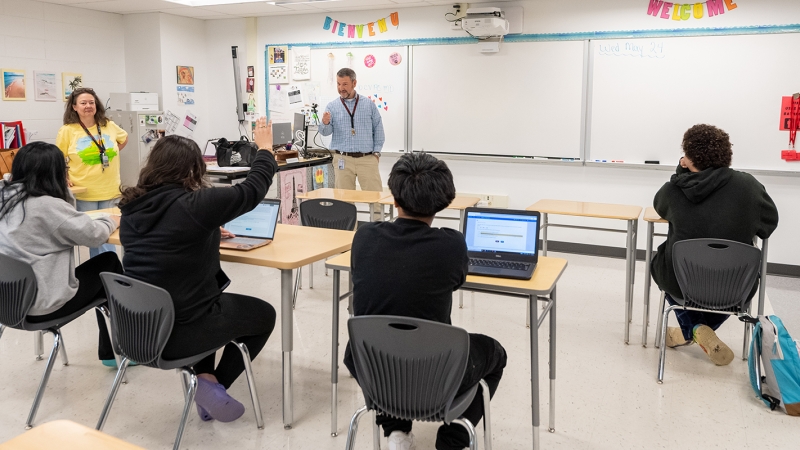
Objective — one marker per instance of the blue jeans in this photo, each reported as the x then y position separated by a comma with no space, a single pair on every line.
83,205
688,319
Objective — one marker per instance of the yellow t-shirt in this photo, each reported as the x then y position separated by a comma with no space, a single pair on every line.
85,168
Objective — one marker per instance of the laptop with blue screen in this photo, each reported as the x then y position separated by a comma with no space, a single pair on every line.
255,228
502,242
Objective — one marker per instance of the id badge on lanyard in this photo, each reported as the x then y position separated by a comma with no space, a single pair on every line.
100,145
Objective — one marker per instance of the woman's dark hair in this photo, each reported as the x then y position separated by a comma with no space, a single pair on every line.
707,146
71,116
421,184
173,160
39,169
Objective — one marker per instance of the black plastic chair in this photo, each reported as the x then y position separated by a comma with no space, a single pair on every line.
715,275
324,213
18,291
142,317
411,369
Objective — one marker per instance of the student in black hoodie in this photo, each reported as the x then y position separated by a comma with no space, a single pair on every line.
170,231
707,199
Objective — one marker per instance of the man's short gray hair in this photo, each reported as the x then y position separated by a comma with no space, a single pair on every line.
347,72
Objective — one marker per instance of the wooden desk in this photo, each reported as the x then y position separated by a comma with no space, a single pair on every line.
627,213
458,204
66,435
542,286
652,218
347,195
293,247
78,189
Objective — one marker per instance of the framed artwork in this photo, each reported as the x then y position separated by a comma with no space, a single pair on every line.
44,86
70,82
185,74
277,54
13,84
251,84
251,71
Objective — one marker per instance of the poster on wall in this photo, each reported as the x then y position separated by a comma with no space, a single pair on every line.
185,95
278,68
44,86
301,63
185,74
70,82
293,183
13,84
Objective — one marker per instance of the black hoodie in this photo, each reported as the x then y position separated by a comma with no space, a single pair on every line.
171,236
717,203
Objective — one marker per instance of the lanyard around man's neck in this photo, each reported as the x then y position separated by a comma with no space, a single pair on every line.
352,114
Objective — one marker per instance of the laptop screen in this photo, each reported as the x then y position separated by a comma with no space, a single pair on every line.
502,231
258,223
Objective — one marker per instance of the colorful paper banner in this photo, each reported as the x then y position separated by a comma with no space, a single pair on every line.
686,11
357,31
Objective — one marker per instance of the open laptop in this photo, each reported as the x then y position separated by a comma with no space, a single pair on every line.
281,133
502,242
254,229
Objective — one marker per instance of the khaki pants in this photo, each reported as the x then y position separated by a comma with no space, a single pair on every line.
365,169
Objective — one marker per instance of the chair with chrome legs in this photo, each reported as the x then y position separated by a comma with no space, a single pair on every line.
715,276
411,369
142,317
18,291
324,213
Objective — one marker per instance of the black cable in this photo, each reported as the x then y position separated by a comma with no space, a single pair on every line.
451,14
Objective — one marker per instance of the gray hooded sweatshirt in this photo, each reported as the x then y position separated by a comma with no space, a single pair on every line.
46,240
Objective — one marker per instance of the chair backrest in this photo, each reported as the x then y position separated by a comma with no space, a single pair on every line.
716,274
328,213
142,316
18,290
408,368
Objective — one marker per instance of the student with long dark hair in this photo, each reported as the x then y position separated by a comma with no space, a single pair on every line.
40,226
171,231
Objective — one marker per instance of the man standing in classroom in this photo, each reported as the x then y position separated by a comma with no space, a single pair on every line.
357,129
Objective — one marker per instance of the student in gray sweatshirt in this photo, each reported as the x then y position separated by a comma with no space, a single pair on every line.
40,226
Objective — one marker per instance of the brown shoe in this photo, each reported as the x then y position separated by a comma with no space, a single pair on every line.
719,353
675,338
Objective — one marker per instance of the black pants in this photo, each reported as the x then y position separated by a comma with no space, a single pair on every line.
245,319
487,359
90,288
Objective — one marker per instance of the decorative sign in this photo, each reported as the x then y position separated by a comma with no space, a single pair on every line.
357,31
369,61
686,11
395,58
379,102
301,63
788,106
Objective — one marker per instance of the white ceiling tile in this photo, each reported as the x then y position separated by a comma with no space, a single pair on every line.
196,12
129,6
245,9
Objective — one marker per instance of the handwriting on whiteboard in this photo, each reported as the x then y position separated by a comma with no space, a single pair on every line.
634,49
376,87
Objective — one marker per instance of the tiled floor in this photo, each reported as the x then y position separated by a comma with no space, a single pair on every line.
606,398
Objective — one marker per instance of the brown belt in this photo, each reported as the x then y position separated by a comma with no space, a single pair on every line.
353,154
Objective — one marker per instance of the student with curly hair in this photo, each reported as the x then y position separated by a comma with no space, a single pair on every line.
705,198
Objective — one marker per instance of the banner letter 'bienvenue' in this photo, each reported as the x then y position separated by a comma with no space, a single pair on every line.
356,31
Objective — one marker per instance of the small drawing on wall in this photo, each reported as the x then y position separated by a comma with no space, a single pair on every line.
13,84
44,86
251,71
70,82
185,74
278,74
251,84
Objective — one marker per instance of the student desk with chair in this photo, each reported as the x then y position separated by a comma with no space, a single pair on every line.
371,198
293,247
542,287
66,435
628,213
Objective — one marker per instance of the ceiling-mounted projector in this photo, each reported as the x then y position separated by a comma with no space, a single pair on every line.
485,22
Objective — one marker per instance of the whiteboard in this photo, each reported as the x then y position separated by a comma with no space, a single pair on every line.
523,101
384,83
647,92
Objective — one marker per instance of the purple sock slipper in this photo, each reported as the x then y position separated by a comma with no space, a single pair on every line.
213,398
204,415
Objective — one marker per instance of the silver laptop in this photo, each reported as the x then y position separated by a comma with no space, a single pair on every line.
502,242
281,133
255,228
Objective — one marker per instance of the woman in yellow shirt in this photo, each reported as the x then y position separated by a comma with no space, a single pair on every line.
91,144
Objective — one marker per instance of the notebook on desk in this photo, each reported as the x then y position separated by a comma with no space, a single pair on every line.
255,228
502,242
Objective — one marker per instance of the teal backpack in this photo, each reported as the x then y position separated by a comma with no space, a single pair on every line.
779,386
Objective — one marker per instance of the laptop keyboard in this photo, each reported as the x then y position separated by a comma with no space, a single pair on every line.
499,264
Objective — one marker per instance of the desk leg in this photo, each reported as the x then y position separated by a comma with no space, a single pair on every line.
534,330
552,427
544,234
287,336
628,281
335,354
648,255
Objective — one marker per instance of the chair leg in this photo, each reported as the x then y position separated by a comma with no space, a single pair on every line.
43,384
353,430
376,432
38,344
296,287
186,371
251,382
112,394
748,330
487,416
660,316
63,352
473,445
663,343
2,328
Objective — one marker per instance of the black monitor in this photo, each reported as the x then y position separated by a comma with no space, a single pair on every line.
299,124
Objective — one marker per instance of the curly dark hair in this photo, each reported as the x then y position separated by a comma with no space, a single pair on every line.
421,184
707,146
